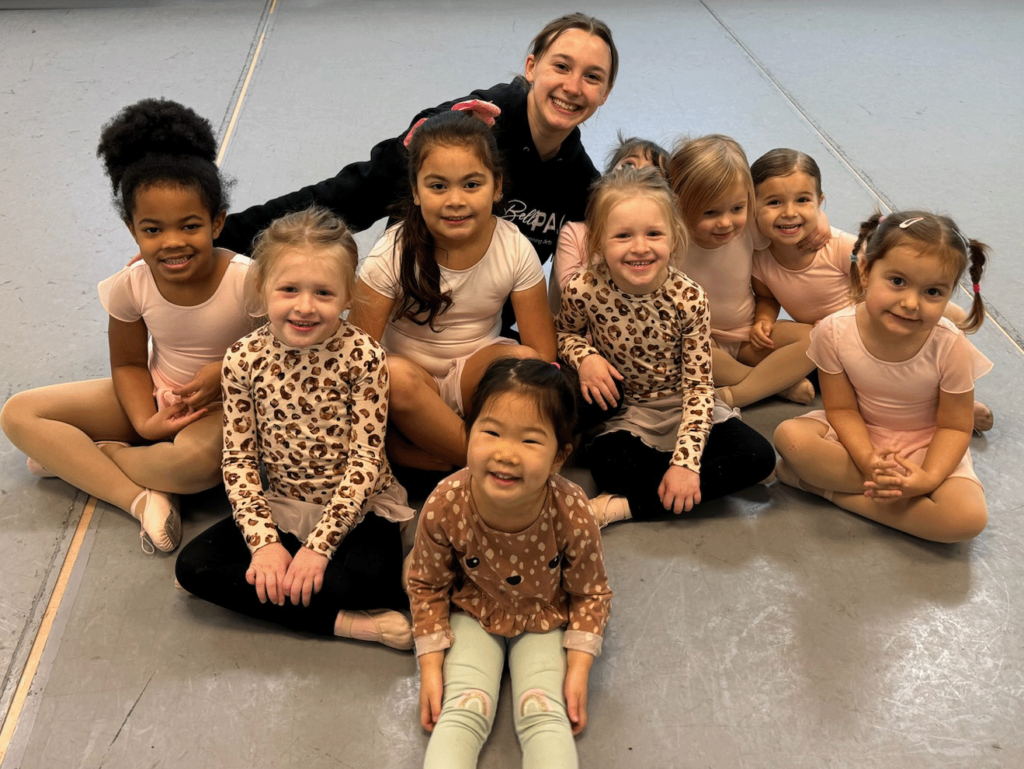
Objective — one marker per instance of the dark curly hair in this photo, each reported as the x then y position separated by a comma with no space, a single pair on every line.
158,141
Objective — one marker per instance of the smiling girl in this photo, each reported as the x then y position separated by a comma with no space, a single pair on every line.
153,429
508,562
897,383
650,328
432,290
711,179
306,398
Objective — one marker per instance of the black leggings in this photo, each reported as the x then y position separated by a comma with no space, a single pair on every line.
365,573
736,456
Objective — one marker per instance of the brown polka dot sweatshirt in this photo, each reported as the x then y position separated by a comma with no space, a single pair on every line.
549,575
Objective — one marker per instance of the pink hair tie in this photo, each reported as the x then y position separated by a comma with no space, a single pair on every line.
482,110
557,366
415,127
977,288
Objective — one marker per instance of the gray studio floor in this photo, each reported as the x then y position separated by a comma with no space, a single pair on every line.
778,632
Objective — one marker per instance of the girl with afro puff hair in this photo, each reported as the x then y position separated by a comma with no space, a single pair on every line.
152,430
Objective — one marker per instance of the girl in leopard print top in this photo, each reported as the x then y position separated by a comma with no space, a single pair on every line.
306,396
651,328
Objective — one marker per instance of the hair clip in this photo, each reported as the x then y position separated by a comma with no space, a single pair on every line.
907,222
977,288
966,242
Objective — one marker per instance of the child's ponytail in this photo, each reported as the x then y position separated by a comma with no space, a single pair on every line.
977,255
859,259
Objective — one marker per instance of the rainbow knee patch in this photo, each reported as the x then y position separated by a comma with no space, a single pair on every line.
534,701
476,700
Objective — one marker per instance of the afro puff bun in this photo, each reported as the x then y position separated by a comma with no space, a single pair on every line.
159,141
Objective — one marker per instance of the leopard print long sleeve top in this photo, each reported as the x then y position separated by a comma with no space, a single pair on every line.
660,342
316,418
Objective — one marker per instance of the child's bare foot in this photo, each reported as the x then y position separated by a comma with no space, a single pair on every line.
802,392
983,419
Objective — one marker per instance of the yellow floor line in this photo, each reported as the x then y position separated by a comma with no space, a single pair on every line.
241,98
36,652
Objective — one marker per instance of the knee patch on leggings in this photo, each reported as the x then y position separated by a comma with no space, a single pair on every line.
476,700
534,701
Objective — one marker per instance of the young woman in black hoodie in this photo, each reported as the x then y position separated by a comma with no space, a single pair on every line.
568,74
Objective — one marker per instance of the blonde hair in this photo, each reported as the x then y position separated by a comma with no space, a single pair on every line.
315,230
704,169
931,234
627,183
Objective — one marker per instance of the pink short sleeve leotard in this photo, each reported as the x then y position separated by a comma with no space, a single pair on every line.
898,400
819,289
184,339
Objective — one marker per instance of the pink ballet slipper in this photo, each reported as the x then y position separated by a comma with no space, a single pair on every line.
37,469
610,508
385,626
160,519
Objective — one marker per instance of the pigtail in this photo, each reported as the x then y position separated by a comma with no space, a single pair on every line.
977,256
859,256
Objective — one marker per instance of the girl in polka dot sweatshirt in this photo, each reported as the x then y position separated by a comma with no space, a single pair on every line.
508,560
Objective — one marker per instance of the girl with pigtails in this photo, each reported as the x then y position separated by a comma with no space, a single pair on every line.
897,383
